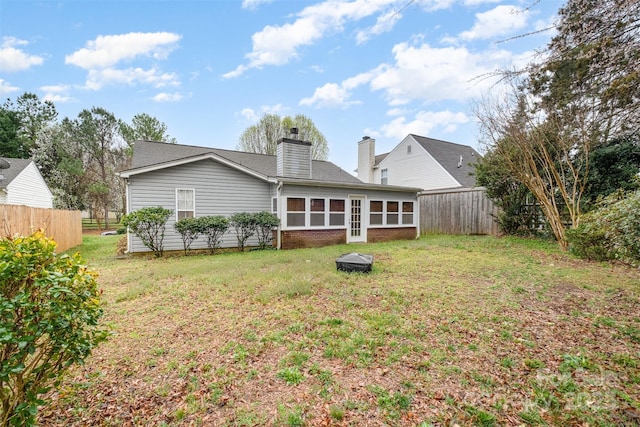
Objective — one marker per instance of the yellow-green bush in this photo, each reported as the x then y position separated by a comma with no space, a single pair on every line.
49,312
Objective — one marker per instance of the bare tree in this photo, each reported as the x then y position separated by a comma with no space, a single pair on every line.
263,137
542,152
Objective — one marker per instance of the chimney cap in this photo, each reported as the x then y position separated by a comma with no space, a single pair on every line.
364,138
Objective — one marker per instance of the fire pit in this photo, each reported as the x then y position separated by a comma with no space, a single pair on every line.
355,262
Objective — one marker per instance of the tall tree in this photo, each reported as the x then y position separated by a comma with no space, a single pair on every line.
584,92
60,158
11,145
98,132
591,67
145,127
35,115
264,135
542,152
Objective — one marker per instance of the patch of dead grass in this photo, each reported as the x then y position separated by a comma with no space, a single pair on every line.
446,330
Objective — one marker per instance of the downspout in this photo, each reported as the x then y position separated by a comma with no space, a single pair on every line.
278,213
417,216
129,237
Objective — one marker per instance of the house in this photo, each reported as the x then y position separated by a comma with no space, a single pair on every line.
317,202
22,184
417,161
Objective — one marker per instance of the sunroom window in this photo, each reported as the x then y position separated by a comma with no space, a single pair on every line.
392,213
317,212
407,212
336,212
295,211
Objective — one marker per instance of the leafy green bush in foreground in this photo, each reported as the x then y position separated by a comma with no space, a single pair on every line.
49,312
610,232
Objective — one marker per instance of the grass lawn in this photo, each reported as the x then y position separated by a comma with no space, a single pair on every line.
445,331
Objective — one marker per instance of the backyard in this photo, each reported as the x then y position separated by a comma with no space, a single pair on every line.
444,331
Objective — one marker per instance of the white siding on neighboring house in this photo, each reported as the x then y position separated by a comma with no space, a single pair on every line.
413,167
219,190
29,188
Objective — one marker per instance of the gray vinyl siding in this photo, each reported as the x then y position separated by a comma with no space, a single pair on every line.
219,190
294,160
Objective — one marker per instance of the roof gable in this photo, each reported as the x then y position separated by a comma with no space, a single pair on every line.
11,173
150,155
458,160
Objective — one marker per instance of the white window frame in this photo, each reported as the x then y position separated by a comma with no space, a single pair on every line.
385,212
193,202
307,217
413,212
285,214
384,176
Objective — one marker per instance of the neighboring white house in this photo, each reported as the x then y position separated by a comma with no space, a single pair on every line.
418,161
22,184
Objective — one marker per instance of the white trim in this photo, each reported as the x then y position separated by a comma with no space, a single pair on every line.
364,219
193,191
384,213
211,156
307,213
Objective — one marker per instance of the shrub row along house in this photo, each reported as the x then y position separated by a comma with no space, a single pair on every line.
317,202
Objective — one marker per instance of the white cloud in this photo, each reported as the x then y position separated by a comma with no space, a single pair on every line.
436,74
277,45
396,112
57,93
253,4
168,97
424,123
385,23
107,51
251,115
6,88
101,58
97,79
14,59
329,95
337,95
500,21
479,2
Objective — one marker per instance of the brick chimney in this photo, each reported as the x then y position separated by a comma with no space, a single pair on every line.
366,159
294,157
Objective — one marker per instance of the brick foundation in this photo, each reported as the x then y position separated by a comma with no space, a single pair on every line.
317,238
312,238
386,234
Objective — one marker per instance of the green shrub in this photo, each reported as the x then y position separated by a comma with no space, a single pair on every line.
148,224
49,312
244,225
610,232
189,229
214,227
265,223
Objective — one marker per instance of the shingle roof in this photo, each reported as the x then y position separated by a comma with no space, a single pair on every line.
150,153
17,166
448,154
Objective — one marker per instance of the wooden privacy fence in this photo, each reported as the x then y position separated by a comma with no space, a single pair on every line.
467,211
65,227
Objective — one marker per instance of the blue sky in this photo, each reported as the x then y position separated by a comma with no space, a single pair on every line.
209,69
